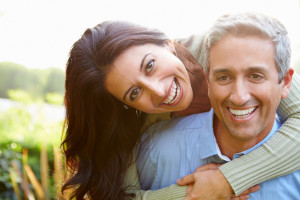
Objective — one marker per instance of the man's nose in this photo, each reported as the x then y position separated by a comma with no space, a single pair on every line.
240,93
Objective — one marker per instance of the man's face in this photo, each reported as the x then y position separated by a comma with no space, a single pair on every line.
244,87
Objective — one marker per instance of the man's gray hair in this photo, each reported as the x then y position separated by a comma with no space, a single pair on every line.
246,24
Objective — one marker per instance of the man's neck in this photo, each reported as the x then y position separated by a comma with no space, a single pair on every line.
230,145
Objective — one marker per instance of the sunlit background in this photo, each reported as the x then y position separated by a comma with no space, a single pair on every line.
35,39
39,33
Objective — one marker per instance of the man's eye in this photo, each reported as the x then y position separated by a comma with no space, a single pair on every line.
223,78
149,66
256,77
134,93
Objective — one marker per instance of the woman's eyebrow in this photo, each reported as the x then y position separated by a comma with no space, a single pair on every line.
127,91
143,60
141,68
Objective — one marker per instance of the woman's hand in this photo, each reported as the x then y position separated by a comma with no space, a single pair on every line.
207,182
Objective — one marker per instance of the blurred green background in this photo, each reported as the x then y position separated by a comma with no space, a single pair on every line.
31,116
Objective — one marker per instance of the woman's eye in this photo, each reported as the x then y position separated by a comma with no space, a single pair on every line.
134,93
149,66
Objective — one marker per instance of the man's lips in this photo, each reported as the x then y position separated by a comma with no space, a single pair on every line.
241,114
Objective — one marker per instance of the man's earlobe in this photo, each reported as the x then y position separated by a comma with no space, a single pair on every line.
287,82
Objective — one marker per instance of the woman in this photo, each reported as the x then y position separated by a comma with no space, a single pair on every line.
103,125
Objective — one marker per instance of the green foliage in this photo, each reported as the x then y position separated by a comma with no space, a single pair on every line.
18,126
37,83
55,81
27,126
19,95
12,77
19,129
8,153
55,98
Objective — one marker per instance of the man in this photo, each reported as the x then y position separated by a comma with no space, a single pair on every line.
246,59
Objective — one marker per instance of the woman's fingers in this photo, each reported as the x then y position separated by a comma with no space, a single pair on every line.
242,197
208,166
251,190
189,179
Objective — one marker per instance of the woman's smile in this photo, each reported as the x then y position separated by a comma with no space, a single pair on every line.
150,78
174,92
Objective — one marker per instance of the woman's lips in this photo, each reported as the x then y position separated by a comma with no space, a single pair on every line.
173,93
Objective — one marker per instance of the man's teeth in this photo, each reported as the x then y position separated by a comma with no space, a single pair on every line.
242,113
174,94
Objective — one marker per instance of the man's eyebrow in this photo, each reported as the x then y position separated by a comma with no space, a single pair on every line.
252,68
258,68
143,60
222,70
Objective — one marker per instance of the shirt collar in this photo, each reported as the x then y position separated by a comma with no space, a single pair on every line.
209,146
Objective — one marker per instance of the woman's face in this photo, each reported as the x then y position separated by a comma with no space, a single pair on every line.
150,78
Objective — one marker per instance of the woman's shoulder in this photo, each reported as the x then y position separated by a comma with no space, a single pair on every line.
153,118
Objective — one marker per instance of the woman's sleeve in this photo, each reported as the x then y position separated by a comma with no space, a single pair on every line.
132,185
278,156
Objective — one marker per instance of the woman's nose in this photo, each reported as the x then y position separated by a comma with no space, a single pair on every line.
154,87
157,90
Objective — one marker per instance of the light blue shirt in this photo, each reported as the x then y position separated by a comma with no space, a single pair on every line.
174,148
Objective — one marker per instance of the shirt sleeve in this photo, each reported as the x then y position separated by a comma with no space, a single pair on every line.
278,156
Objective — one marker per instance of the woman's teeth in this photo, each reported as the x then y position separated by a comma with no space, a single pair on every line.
174,93
241,113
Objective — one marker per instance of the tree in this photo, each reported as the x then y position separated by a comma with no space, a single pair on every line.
55,81
36,82
12,76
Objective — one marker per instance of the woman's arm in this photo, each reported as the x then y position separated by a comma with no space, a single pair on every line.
278,156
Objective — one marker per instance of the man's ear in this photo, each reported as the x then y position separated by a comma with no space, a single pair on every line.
287,82
206,78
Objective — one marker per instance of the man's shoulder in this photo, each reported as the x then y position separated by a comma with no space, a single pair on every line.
194,121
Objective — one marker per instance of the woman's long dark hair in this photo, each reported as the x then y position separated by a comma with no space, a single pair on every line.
100,133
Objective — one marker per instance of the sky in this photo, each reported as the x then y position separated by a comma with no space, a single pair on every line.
40,33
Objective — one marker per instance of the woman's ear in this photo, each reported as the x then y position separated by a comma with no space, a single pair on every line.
171,46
